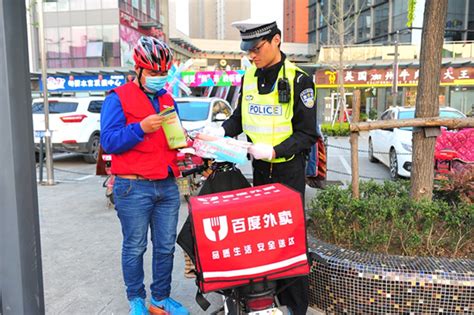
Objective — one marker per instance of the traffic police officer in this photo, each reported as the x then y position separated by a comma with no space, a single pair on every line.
276,110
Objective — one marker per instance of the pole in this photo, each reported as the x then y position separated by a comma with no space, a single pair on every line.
21,279
41,159
395,72
47,134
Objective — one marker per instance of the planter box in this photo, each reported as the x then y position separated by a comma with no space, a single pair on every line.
346,281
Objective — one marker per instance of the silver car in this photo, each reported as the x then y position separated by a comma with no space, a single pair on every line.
393,146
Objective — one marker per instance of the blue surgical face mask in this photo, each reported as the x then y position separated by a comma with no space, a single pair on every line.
154,84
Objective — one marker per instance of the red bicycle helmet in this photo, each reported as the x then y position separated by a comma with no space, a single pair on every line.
153,54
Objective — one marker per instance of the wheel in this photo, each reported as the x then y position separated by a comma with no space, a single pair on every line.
393,164
371,152
92,149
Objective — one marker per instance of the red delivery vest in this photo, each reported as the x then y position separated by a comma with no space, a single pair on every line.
250,234
151,157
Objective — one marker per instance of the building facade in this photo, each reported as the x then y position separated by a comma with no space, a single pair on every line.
379,21
212,19
370,44
295,21
93,38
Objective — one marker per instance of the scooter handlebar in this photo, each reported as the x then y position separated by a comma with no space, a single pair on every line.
192,171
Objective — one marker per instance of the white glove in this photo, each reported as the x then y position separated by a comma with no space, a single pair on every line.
213,131
261,151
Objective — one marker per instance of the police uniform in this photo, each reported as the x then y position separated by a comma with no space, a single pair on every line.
289,127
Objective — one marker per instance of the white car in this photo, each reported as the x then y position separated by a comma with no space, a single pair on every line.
198,112
393,146
74,123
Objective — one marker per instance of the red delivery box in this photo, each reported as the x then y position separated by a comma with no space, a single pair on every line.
249,234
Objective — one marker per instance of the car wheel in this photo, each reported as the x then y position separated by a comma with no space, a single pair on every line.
371,152
92,149
393,164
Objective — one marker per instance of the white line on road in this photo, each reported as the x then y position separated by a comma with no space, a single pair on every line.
70,180
345,164
85,177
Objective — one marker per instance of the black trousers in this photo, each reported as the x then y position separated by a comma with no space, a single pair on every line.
292,174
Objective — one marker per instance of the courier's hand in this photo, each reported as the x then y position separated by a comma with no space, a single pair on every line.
151,123
213,131
262,151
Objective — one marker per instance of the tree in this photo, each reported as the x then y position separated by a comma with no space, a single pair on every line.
340,33
424,139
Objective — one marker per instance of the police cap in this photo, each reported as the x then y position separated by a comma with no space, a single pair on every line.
252,31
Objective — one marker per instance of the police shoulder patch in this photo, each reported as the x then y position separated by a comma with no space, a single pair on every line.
307,96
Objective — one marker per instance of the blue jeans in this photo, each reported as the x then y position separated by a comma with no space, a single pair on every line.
141,204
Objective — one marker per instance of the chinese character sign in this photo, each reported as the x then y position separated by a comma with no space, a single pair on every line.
212,78
83,83
385,77
249,233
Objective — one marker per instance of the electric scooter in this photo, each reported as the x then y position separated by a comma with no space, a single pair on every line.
255,298
109,181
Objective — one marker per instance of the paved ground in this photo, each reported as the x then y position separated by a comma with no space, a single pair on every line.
81,243
81,240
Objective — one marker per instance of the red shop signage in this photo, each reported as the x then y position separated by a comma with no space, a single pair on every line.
248,234
384,77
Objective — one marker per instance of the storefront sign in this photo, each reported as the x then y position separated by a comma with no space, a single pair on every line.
83,83
384,77
212,78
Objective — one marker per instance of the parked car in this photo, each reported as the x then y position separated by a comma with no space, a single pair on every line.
393,146
198,112
74,123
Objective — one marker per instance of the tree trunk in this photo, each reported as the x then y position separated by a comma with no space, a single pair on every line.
422,173
355,146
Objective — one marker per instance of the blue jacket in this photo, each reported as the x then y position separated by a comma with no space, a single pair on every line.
114,138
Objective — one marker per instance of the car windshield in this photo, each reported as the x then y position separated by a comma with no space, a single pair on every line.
409,114
55,107
192,110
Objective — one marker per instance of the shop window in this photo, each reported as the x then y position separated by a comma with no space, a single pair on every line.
109,4
78,46
381,20
50,6
410,96
363,29
77,5
92,4
63,5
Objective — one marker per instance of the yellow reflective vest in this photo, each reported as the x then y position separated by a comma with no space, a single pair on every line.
264,119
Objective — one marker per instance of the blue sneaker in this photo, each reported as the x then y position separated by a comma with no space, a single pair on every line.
137,307
169,305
